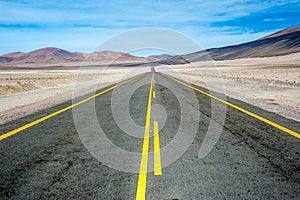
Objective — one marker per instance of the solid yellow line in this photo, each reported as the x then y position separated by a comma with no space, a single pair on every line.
157,162
142,181
293,133
154,94
10,133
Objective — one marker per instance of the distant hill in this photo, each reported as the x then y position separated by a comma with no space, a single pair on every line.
161,56
291,29
280,43
112,56
50,55
14,54
44,55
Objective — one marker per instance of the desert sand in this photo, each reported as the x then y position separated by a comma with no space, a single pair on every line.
270,83
23,92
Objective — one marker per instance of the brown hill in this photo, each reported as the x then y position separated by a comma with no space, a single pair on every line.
107,55
114,57
14,54
291,29
50,55
161,56
9,57
280,43
44,55
287,41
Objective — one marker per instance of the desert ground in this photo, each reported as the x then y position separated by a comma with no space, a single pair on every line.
23,92
270,83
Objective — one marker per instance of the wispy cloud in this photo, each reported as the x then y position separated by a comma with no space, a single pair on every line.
60,23
274,19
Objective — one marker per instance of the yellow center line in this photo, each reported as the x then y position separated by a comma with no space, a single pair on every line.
142,181
291,132
10,133
157,161
154,94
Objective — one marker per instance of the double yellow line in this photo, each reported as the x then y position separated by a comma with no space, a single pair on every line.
141,189
291,132
142,180
10,133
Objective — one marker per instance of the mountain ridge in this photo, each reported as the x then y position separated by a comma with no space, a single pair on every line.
282,42
57,55
285,31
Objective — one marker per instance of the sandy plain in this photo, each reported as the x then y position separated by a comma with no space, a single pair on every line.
270,83
23,92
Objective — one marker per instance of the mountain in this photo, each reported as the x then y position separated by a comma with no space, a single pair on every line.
114,57
282,42
161,56
108,55
14,54
291,29
50,55
9,57
44,55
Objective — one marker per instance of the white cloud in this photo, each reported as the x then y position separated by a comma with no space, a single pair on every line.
78,25
274,19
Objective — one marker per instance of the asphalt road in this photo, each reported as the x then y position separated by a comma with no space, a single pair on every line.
250,160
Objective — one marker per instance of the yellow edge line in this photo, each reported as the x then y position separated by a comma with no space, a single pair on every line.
142,181
157,161
10,133
293,133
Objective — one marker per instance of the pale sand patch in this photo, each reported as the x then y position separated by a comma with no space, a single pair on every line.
271,83
52,87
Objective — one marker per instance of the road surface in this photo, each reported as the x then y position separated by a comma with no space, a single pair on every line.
252,159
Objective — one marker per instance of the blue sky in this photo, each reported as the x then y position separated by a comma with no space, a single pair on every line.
81,25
